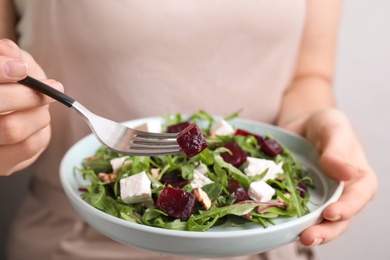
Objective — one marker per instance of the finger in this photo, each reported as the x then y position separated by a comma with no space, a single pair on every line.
337,167
17,156
355,197
337,145
12,70
323,232
10,49
21,165
18,126
341,152
17,97
12,66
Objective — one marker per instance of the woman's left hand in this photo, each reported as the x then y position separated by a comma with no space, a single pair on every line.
342,159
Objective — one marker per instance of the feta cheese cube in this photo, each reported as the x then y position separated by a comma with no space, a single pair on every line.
222,127
153,126
257,166
199,180
136,188
260,191
117,163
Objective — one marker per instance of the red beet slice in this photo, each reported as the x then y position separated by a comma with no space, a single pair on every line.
243,132
238,191
271,147
176,203
238,156
174,179
191,140
177,127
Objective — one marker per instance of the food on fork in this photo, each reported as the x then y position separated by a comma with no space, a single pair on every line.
192,140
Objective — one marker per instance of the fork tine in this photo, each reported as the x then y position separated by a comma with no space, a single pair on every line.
158,139
152,150
158,142
154,145
150,135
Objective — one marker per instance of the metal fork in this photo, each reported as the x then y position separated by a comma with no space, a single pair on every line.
113,135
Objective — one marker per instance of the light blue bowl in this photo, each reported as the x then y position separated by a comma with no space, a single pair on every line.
221,241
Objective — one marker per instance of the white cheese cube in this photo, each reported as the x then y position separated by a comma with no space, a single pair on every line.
257,166
202,168
222,127
117,163
136,188
199,180
153,126
260,191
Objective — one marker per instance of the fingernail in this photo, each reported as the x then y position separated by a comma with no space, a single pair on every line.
15,68
335,218
317,242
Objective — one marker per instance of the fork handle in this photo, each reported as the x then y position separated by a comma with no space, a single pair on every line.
47,90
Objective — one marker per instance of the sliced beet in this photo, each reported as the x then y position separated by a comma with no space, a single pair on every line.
174,179
238,191
192,140
176,203
237,157
176,128
243,132
271,147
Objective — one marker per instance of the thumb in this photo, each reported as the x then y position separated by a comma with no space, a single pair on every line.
12,70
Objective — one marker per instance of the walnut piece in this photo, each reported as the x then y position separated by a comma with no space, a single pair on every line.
203,198
107,177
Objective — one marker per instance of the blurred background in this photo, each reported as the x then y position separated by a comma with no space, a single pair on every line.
363,92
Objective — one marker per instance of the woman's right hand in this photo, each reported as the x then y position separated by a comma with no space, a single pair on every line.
24,116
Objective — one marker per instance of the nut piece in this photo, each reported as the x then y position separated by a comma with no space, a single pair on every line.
203,198
107,177
155,172
285,206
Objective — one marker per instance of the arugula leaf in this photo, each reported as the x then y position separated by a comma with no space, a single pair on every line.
157,218
213,190
221,167
291,188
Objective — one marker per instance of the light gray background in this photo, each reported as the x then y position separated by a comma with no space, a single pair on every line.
363,90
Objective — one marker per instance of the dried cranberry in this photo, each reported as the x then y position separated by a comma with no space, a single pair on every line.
192,140
237,157
176,128
238,191
174,179
243,132
271,147
176,203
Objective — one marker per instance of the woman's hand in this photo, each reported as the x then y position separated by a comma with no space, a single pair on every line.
342,159
24,116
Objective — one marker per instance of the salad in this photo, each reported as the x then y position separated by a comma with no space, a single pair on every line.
238,176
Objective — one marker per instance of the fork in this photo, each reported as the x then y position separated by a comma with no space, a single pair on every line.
115,136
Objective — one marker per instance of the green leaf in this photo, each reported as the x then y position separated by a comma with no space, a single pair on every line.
97,164
220,165
291,188
213,190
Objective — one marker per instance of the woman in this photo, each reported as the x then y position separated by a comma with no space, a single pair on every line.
130,59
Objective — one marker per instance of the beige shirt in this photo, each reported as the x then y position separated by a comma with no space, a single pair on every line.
130,59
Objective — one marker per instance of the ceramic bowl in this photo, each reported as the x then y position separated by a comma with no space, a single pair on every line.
221,241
